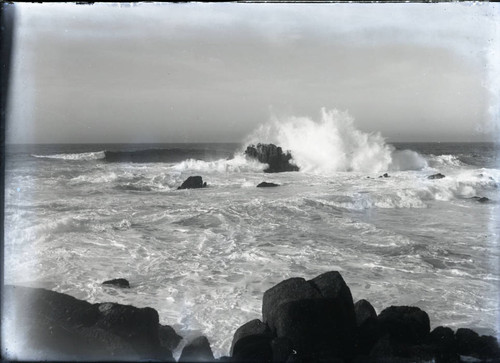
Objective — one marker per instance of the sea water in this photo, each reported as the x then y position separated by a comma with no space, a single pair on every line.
204,257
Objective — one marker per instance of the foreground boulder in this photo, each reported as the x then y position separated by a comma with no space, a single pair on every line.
267,185
46,325
197,351
272,155
123,283
193,182
405,323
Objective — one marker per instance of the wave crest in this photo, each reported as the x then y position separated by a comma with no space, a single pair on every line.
97,155
334,144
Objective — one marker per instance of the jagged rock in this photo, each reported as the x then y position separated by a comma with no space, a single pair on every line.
253,327
288,290
267,185
273,156
406,324
168,337
118,283
193,182
436,176
197,351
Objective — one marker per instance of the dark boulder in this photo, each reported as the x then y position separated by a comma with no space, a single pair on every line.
364,311
288,290
317,328
118,283
197,351
267,185
253,348
443,339
367,332
406,324
282,349
469,343
436,176
57,326
193,182
253,327
168,337
272,155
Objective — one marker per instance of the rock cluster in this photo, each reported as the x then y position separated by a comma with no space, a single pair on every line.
272,155
302,321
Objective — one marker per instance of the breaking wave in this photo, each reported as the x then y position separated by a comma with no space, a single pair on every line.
334,144
76,156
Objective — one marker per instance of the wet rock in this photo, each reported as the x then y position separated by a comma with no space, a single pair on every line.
436,176
443,339
193,182
197,351
253,327
406,324
364,311
168,337
316,327
272,155
118,283
469,343
253,348
267,185
288,290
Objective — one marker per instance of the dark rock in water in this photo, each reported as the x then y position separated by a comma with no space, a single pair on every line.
193,182
386,175
57,326
253,348
405,324
481,199
118,283
266,185
364,311
288,290
253,327
168,337
436,176
273,156
197,351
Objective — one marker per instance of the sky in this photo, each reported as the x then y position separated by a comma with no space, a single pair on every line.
214,72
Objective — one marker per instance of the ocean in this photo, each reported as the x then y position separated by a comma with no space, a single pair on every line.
204,257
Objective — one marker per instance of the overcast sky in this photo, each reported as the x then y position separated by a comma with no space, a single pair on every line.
213,72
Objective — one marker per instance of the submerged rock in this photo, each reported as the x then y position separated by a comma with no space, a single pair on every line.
118,283
481,199
267,185
193,182
272,155
436,176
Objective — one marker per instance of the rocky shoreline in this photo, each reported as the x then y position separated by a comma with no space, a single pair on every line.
302,321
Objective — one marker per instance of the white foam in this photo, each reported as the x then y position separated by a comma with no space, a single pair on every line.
334,144
237,164
75,156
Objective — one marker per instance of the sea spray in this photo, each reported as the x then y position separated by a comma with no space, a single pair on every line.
334,144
